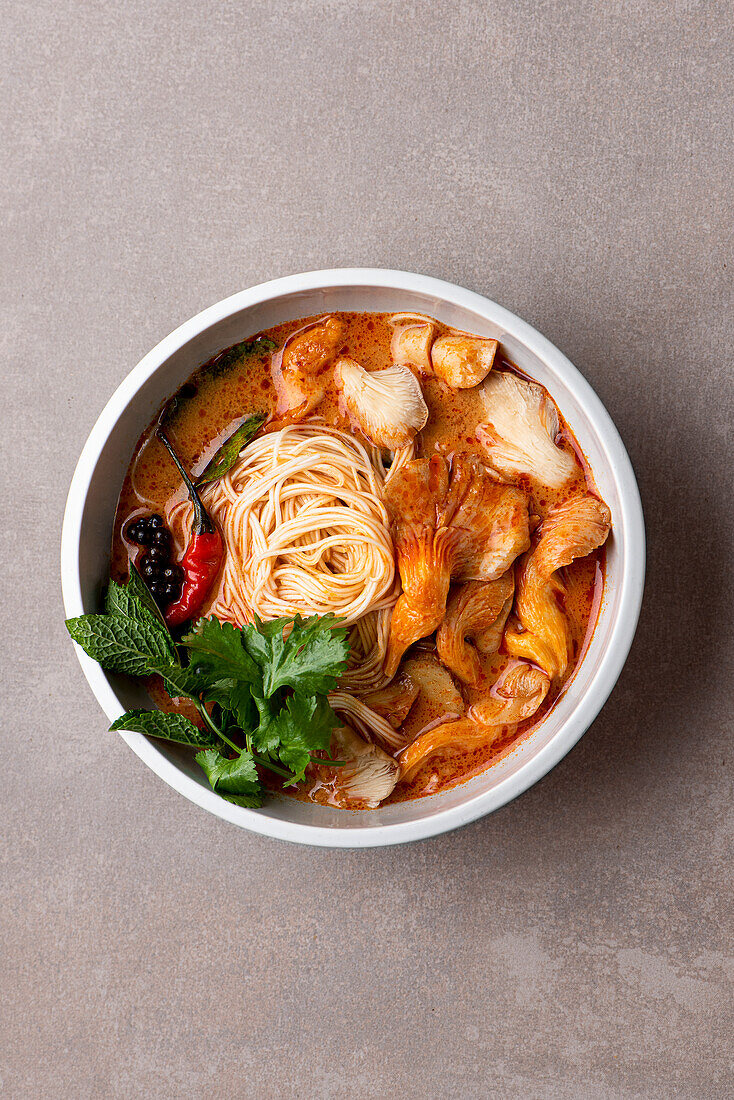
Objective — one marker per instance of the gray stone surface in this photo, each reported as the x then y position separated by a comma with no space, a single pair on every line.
570,160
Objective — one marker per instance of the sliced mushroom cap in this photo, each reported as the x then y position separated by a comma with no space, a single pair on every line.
570,530
475,611
516,696
494,521
394,701
463,361
369,775
411,345
313,350
439,699
387,404
301,378
456,521
522,425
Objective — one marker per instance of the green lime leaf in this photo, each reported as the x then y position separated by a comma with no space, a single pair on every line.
169,727
229,358
229,452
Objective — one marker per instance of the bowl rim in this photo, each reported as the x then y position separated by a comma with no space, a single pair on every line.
630,521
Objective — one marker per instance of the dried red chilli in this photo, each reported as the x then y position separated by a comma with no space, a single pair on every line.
202,558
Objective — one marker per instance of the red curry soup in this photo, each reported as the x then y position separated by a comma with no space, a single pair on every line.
395,545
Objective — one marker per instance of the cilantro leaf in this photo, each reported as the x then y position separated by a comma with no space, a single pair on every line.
303,726
238,776
269,680
170,727
233,696
122,644
309,660
236,699
228,453
252,801
224,669
266,737
217,652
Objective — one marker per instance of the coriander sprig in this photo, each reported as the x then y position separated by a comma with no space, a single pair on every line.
264,685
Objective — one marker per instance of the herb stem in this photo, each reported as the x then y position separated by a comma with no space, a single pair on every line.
273,767
231,744
257,758
213,725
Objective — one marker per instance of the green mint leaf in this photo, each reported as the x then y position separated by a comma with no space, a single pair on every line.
122,644
181,681
224,362
229,452
310,660
134,601
139,591
303,726
238,776
120,601
170,727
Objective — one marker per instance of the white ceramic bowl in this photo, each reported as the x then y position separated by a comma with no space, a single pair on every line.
93,496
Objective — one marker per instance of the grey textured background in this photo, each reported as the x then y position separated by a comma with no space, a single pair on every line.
570,160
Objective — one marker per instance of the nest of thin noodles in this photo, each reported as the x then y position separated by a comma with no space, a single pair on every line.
306,532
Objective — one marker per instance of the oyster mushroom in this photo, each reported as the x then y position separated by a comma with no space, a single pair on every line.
306,359
570,530
478,611
447,522
366,719
394,701
387,404
411,345
463,361
522,425
312,351
516,696
368,776
439,699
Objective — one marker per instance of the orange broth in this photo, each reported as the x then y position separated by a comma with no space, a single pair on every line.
215,400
